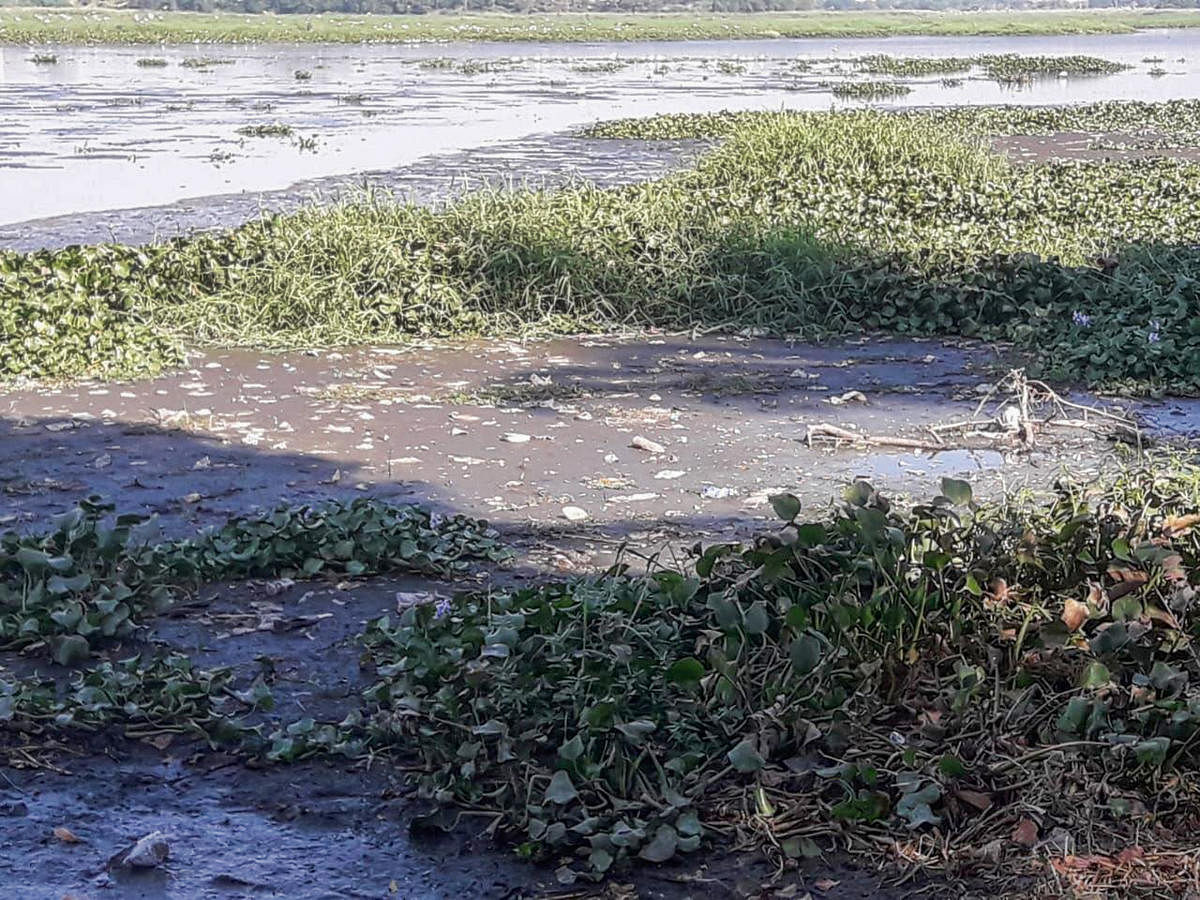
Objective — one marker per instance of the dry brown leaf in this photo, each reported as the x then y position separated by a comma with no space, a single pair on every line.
1173,526
1134,853
824,884
978,799
1074,614
1162,616
1129,576
1026,833
66,835
1096,598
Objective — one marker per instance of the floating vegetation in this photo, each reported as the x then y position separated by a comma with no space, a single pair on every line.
1014,68
272,129
869,90
1157,72
352,99
302,75
727,67
44,59
951,82
604,67
306,143
151,62
913,66
205,62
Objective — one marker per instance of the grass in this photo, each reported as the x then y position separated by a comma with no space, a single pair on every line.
1088,268
95,26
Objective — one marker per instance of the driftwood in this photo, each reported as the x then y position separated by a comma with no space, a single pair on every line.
1021,409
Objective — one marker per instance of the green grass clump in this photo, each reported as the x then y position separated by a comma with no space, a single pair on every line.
814,224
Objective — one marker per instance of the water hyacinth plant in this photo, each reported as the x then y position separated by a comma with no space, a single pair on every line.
766,231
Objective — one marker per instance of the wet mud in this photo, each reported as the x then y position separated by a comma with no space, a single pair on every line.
509,431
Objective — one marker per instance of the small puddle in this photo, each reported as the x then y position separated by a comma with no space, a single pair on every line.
946,462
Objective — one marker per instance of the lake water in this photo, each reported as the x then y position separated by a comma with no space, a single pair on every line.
96,131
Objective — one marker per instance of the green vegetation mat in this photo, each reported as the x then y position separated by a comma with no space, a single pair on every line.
96,26
809,224
980,675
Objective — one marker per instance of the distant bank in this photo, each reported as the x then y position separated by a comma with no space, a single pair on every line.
97,26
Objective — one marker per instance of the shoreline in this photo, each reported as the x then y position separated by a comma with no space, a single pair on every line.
41,26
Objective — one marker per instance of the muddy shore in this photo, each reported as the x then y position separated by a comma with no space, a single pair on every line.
513,432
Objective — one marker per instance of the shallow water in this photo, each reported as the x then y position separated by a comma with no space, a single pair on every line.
95,131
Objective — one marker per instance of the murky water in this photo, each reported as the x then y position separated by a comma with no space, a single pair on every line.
96,131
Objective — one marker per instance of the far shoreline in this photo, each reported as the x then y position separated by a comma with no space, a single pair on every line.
92,26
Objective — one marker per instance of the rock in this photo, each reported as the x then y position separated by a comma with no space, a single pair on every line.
848,397
610,458
514,437
712,492
642,443
574,513
150,851
669,474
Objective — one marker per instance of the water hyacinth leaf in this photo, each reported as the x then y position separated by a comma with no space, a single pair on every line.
572,749
952,766
800,848
1153,751
685,672
662,846
956,491
635,732
1095,674
560,790
70,649
805,652
688,824
745,757
756,620
915,807
786,506
57,584
810,534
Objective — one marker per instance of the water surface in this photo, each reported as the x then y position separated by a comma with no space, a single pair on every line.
96,131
